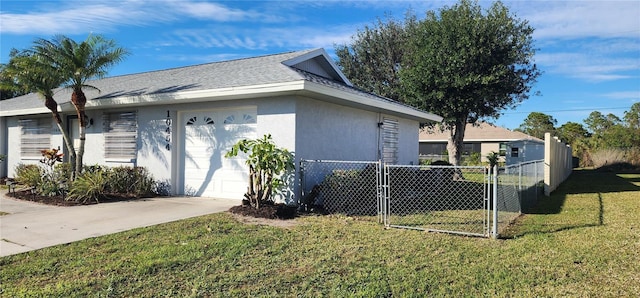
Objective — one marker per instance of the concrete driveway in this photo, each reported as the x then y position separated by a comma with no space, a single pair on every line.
31,226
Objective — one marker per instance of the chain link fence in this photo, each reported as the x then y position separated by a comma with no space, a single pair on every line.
347,187
453,199
437,198
518,189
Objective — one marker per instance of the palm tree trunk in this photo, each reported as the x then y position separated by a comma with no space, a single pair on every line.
52,105
79,101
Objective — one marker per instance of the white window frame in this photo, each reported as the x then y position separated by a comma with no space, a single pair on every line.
120,130
35,136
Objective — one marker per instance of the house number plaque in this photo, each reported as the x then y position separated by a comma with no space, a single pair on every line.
168,132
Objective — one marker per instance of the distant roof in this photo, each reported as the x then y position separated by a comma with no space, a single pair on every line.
286,72
480,132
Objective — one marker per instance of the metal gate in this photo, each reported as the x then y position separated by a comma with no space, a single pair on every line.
462,200
451,199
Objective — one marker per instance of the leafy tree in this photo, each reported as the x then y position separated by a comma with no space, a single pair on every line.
8,86
598,123
25,73
267,163
373,60
77,63
466,65
611,132
537,124
571,132
632,116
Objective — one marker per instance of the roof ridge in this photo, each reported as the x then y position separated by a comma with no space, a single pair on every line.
209,63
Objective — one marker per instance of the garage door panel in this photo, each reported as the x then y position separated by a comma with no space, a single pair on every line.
208,137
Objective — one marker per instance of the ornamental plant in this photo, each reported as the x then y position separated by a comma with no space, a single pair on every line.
267,163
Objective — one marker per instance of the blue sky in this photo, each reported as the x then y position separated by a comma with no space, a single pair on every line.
589,50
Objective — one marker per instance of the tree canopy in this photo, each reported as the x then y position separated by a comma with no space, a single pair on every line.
460,62
373,60
61,61
537,124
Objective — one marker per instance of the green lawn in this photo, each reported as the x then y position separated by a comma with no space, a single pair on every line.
582,241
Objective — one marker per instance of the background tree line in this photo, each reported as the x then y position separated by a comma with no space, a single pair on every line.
603,139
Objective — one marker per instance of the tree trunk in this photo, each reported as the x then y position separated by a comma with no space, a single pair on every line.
79,101
455,141
52,105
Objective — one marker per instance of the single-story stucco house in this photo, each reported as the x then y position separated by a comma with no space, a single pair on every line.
179,123
483,138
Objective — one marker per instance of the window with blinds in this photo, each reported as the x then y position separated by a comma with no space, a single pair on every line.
389,132
36,136
120,134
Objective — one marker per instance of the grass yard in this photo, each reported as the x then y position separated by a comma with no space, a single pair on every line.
584,240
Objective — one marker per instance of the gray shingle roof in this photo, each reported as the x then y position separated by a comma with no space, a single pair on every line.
263,70
233,73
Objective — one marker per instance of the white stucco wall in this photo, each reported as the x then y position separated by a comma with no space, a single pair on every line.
3,146
333,132
408,141
310,128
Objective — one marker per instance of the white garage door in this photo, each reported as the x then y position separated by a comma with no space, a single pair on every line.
208,136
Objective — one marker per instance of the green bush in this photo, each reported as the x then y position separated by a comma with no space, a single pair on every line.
474,159
62,171
130,180
29,175
90,185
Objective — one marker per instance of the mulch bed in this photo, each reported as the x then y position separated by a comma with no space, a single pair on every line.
269,211
59,200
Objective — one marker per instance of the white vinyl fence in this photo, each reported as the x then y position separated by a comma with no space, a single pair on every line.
558,162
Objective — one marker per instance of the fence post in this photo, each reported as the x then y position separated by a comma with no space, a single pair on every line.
385,193
495,203
379,191
488,198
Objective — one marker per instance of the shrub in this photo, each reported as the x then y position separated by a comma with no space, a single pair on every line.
267,163
352,192
88,186
130,180
162,188
62,171
474,159
29,175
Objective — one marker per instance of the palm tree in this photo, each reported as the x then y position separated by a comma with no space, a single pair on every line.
26,73
79,63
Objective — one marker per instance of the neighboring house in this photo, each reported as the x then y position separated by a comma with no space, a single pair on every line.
180,122
524,150
482,138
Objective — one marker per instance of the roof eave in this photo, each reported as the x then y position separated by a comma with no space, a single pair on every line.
358,101
300,87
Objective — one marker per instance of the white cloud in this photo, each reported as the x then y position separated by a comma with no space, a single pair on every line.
77,17
588,67
632,95
211,11
575,19
259,38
